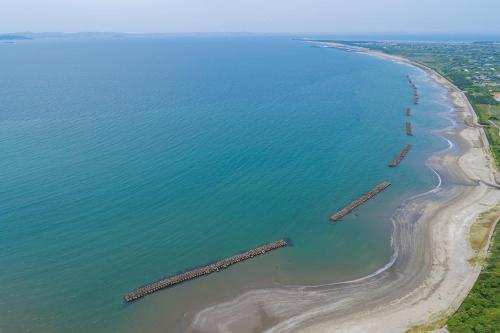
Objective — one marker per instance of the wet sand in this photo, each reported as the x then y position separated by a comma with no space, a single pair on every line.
428,273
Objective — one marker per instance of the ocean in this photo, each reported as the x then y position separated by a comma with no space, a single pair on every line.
125,160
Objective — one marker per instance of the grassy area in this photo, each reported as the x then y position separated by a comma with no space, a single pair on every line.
435,323
480,232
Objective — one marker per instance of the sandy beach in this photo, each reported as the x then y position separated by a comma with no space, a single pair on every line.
429,274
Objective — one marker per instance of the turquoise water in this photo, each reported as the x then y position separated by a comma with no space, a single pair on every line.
125,160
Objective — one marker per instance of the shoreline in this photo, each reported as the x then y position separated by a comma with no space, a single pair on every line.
427,310
430,273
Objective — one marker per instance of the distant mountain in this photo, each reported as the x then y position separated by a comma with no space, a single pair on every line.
42,35
8,37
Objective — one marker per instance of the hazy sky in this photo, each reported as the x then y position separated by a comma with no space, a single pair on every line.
393,16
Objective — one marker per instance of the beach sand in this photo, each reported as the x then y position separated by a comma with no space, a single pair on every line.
429,275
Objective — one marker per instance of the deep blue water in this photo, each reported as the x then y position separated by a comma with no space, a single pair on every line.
125,160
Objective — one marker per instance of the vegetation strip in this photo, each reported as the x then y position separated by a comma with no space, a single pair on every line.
358,202
205,270
401,156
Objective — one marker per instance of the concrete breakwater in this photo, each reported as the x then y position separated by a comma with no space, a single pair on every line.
205,270
358,202
410,81
414,88
409,130
401,156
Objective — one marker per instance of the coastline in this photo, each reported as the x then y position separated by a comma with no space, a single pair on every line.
430,273
450,277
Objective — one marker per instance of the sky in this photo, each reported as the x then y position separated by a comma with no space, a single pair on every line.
274,16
